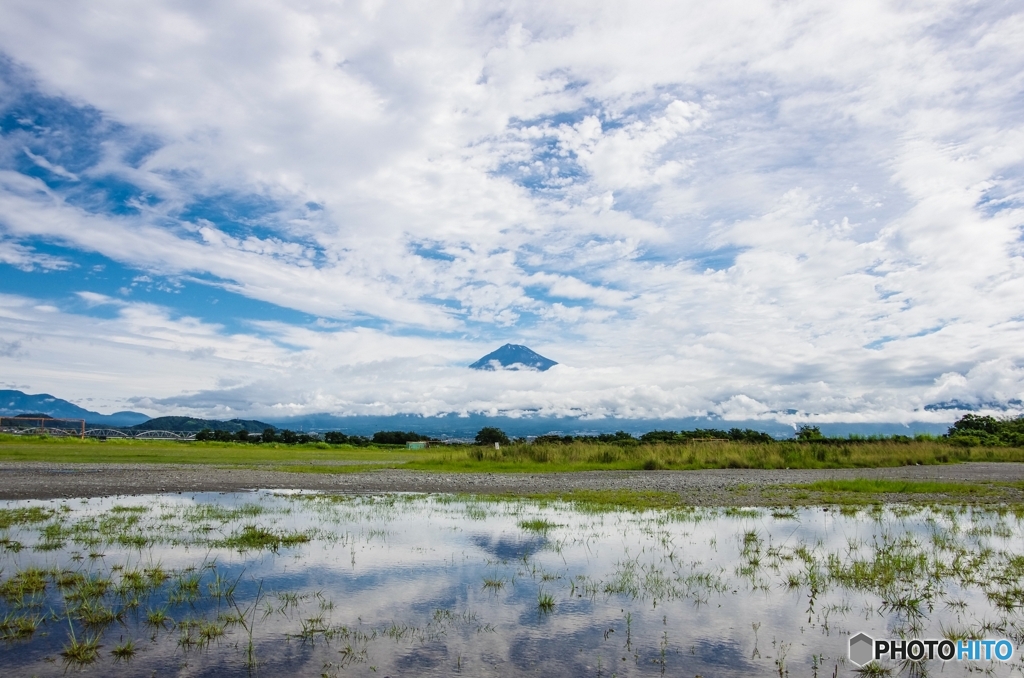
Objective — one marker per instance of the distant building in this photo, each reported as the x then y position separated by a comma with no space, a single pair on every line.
417,445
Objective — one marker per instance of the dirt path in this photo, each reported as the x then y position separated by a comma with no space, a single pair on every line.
30,480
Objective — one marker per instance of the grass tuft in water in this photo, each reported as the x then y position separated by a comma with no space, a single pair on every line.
157,618
96,614
256,538
494,584
16,627
874,670
79,652
26,582
124,651
537,525
24,516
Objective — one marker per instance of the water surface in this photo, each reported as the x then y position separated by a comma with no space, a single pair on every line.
289,583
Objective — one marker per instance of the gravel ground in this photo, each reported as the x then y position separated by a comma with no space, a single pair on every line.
33,480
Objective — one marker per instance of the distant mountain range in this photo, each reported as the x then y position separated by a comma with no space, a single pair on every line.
959,405
194,424
17,402
514,357
460,426
466,426
13,403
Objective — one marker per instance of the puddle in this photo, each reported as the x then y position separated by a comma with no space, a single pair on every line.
272,584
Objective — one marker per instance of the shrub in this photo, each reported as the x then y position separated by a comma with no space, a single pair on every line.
396,437
489,435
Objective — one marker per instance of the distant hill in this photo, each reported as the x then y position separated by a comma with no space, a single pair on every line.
466,426
193,424
514,357
13,403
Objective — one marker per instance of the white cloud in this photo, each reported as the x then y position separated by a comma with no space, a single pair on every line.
27,259
184,365
741,208
47,165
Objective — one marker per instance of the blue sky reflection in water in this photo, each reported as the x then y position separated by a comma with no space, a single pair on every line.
414,585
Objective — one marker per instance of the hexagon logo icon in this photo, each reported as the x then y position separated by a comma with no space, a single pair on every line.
861,649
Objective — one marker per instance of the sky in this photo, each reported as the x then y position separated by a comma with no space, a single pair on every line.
800,211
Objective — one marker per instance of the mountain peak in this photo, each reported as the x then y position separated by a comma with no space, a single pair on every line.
17,402
514,357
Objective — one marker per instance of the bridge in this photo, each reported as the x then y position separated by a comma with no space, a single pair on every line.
105,433
41,431
44,425
66,428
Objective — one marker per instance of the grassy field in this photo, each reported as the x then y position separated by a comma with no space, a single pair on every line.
73,450
579,456
860,491
514,458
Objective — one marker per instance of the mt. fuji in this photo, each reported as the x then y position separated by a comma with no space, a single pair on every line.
513,357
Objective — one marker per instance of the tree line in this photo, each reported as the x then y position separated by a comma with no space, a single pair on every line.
288,437
969,430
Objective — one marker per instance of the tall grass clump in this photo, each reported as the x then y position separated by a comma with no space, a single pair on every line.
709,454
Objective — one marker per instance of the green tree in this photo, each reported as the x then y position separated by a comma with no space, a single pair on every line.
659,437
489,435
617,437
396,437
242,436
806,433
972,424
973,429
268,435
750,435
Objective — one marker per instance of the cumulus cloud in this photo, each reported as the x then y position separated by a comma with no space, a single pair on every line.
742,209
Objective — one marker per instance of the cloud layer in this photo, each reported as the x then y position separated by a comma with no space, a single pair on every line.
746,209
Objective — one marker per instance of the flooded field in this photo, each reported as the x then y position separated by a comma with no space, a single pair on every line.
313,585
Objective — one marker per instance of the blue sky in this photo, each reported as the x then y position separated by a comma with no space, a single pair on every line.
742,209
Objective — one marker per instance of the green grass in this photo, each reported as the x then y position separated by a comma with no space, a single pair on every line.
124,651
74,450
513,458
839,492
591,456
27,582
93,613
537,525
24,516
17,627
493,583
256,538
866,485
613,500
81,652
863,491
335,469
157,618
